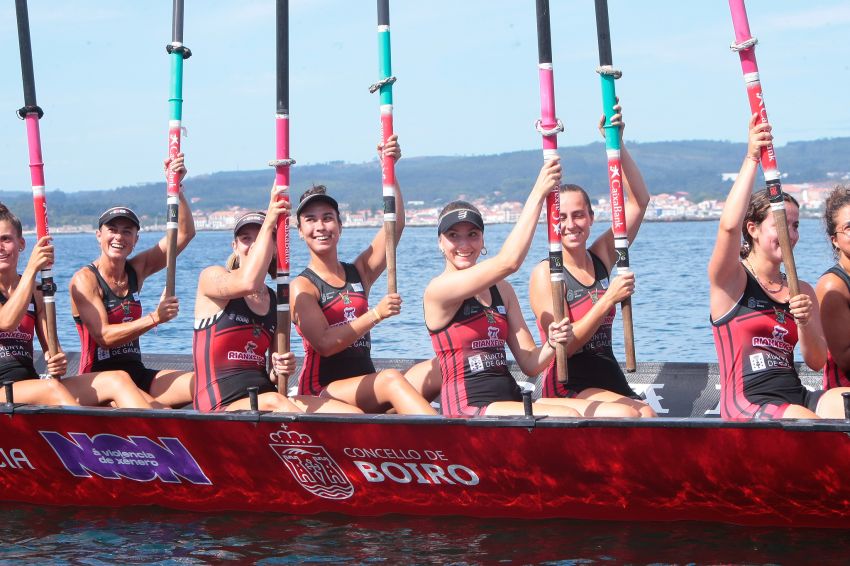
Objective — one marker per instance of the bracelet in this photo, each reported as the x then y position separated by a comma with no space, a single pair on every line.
155,323
376,315
549,341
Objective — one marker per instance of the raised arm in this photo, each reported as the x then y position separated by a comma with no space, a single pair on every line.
725,274
637,196
12,313
219,284
373,260
445,293
531,358
153,259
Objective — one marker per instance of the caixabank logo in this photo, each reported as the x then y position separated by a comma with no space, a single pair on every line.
310,464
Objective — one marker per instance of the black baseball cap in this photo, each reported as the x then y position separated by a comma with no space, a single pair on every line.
118,212
316,197
458,215
253,217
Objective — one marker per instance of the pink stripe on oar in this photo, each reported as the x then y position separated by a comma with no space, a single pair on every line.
282,180
37,174
387,165
547,106
618,208
172,186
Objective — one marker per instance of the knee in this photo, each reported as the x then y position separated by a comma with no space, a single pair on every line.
118,380
392,379
57,393
646,412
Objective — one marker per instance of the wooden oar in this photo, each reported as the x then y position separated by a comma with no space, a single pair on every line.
177,52
31,113
282,163
615,180
745,45
385,87
549,127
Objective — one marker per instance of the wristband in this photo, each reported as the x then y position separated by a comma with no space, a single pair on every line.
155,323
376,315
549,341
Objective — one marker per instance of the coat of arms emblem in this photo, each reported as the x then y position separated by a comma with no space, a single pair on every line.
310,465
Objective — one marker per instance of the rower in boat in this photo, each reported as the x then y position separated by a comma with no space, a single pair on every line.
235,320
22,317
756,321
591,296
833,290
106,306
331,311
471,312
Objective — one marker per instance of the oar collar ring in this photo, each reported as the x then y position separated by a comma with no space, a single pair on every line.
179,48
744,45
377,86
554,131
22,112
609,70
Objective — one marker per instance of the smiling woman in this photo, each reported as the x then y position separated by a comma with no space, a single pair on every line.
106,307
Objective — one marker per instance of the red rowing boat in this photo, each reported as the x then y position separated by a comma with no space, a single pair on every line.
666,469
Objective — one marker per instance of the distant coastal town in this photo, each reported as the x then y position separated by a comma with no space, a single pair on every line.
662,208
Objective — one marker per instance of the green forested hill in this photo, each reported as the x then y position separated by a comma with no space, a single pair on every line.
692,166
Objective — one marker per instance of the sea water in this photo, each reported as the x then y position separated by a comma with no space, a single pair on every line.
671,324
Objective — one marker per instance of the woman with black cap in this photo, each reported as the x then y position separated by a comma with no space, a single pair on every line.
331,310
22,318
471,313
107,309
235,318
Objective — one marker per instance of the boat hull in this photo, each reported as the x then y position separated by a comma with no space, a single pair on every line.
767,473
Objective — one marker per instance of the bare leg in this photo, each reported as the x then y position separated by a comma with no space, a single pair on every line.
426,379
594,394
831,404
270,401
587,408
95,389
540,409
172,388
370,391
800,412
313,404
40,392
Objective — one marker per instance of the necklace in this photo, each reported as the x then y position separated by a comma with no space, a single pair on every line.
766,286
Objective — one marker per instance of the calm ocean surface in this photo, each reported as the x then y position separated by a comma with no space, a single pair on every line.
671,324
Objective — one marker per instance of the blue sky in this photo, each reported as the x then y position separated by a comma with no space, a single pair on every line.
467,79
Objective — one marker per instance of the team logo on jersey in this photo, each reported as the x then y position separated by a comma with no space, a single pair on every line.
256,330
125,306
570,295
349,314
490,318
780,317
249,355
346,300
594,296
493,340
776,341
310,464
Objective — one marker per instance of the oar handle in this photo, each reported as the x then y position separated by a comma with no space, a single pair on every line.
628,334
385,87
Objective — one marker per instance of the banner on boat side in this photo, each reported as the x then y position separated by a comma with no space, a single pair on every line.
316,471
136,458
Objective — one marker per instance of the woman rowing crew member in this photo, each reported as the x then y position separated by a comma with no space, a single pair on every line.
833,290
594,373
22,317
756,321
107,309
331,311
471,312
235,318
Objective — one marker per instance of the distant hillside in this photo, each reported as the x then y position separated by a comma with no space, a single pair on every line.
692,166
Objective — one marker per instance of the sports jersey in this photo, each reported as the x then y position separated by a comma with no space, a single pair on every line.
471,354
593,365
832,374
118,310
16,353
340,305
755,348
229,353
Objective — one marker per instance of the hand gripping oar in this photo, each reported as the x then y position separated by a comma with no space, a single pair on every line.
282,163
615,180
31,113
549,126
385,86
178,52
745,45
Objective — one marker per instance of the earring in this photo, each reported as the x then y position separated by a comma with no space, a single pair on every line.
442,251
20,249
484,250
